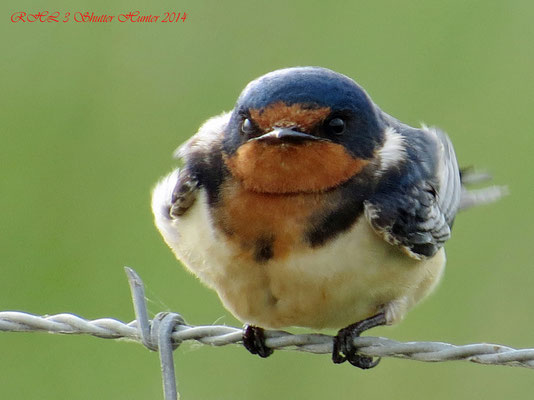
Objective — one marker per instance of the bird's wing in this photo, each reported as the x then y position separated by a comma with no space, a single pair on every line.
201,156
416,201
184,194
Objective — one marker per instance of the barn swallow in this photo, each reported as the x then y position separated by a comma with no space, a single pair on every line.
306,205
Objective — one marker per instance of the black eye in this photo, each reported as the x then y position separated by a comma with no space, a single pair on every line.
336,125
247,127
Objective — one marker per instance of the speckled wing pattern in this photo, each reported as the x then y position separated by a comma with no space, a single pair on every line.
415,202
201,156
184,194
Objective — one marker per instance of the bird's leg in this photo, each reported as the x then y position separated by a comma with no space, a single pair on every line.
344,349
254,341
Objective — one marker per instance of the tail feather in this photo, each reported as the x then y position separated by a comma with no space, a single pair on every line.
476,197
471,198
469,176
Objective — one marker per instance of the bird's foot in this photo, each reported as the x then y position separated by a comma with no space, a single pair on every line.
254,341
344,349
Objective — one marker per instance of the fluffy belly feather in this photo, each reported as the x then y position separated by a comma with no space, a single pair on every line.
350,278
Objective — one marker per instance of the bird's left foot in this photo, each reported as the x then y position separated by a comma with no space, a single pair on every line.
254,341
344,349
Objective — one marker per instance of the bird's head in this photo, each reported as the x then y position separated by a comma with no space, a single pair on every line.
301,130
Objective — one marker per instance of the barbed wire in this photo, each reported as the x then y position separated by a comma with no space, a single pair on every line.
221,335
168,330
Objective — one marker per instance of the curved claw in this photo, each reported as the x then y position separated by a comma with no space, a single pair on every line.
344,349
363,362
254,341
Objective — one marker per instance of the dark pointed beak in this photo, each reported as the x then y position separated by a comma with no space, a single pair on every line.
285,135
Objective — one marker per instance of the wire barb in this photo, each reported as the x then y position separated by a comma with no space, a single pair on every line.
156,335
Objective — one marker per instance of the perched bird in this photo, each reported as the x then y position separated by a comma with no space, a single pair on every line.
307,205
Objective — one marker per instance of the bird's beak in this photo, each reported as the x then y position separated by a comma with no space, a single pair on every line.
285,135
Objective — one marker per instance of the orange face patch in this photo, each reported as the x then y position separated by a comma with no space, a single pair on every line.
286,168
282,115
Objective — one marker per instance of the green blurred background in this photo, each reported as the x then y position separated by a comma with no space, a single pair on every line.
90,114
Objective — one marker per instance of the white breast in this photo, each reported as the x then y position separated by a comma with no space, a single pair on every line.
350,278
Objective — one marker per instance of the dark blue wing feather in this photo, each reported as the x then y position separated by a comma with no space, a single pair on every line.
415,202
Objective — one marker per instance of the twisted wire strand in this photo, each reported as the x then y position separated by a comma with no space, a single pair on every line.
220,335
